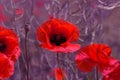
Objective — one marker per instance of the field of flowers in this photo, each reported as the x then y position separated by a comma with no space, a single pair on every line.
59,39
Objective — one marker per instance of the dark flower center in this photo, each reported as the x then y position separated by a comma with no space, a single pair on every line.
57,39
2,47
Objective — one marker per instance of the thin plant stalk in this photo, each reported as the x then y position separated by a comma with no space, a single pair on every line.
26,55
96,73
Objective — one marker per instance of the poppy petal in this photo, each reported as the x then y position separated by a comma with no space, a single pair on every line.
4,32
16,54
107,67
98,49
84,62
66,49
113,73
43,34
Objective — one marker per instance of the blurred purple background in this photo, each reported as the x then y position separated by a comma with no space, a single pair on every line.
98,21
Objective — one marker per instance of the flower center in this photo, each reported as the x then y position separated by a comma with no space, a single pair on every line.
2,47
57,39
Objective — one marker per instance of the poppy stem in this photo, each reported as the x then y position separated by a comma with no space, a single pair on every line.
96,74
58,61
26,55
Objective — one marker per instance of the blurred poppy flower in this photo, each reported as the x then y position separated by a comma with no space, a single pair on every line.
92,55
57,35
9,51
19,11
58,74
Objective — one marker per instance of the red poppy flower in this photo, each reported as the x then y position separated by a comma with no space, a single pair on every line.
9,45
9,51
57,35
92,55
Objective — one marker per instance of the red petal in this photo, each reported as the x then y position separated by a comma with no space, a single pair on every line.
105,49
113,73
84,62
16,54
64,49
4,32
43,33
6,67
107,67
94,50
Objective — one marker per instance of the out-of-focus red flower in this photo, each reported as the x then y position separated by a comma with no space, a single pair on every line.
39,3
19,11
92,55
57,35
9,51
58,74
3,17
113,73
